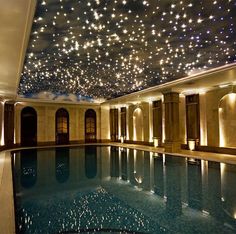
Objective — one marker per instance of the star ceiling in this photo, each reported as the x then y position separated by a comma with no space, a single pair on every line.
104,49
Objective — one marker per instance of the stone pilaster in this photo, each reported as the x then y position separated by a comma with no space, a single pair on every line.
172,139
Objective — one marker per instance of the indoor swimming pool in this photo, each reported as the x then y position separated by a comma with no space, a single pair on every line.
108,189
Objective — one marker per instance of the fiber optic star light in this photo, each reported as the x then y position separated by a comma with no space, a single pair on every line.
104,49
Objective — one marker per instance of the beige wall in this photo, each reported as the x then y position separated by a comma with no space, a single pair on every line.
46,120
182,119
144,106
105,122
209,119
212,115
203,119
227,120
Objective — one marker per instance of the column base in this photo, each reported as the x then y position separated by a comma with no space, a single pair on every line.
172,147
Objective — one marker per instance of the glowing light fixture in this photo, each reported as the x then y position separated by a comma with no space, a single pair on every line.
191,144
122,139
156,142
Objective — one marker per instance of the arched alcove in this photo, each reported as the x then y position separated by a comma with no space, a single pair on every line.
138,133
28,126
62,126
227,120
90,126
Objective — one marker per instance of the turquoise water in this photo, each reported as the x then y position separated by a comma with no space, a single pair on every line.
117,190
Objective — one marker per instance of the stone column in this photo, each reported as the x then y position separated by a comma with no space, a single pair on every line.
105,123
9,123
130,112
172,141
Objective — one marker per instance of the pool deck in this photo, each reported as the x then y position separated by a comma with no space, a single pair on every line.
7,214
7,220
216,157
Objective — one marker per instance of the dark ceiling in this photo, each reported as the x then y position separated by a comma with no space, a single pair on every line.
103,49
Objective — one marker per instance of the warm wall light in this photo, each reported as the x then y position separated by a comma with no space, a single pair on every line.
191,144
150,122
232,98
234,215
122,139
155,155
221,128
222,168
156,142
223,85
138,125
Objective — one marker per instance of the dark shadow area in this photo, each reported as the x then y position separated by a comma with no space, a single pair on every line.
28,127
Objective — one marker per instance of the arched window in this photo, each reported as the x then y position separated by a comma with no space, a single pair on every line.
62,126
28,126
90,126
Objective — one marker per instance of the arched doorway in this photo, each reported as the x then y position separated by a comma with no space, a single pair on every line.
227,120
28,126
90,126
62,126
138,125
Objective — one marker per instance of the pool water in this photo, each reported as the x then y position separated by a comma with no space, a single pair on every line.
101,189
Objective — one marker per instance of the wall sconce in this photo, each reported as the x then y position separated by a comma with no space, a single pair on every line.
191,144
122,139
156,142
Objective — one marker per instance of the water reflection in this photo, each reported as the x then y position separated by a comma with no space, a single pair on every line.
228,194
90,161
62,164
114,162
159,175
182,186
124,164
194,185
173,185
28,162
